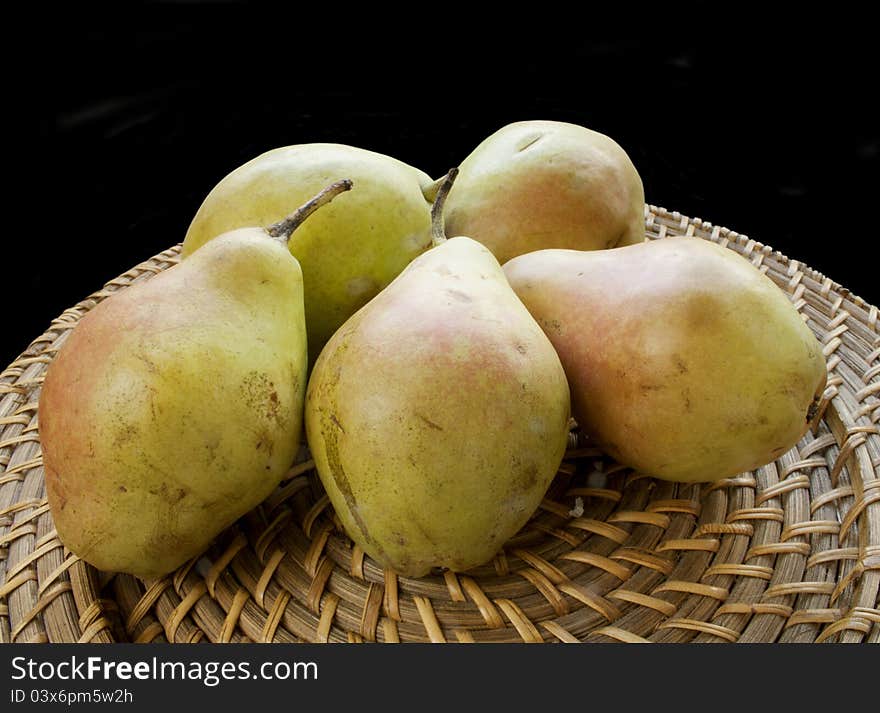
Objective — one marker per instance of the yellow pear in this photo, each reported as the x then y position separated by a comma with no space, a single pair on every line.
348,251
175,405
438,414
684,361
547,184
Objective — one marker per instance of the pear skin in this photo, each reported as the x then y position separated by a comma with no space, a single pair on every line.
438,414
547,184
348,250
684,361
175,406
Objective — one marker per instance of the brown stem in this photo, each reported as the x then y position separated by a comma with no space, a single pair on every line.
438,230
285,227
429,191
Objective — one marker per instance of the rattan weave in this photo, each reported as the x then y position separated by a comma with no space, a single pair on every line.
787,553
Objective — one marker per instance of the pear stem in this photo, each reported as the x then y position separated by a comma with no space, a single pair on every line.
438,228
285,227
430,191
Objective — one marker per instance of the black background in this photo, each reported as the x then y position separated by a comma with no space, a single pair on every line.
765,128
487,677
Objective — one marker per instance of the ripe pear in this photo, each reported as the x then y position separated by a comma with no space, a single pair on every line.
349,250
547,184
685,362
175,405
438,414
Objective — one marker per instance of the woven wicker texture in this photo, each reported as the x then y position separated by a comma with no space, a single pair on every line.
787,553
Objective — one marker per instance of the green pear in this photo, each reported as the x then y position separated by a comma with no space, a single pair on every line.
348,251
438,414
685,362
175,405
547,184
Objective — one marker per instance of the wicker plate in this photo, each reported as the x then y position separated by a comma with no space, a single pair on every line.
788,553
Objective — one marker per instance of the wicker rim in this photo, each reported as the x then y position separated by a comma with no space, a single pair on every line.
787,553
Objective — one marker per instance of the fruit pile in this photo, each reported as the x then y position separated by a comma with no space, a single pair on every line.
434,341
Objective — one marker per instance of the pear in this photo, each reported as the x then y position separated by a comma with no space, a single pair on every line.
348,251
685,362
547,184
438,414
175,405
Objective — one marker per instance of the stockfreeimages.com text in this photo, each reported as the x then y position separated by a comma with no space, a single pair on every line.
210,673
